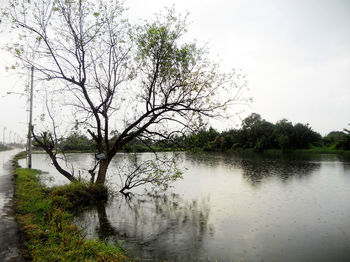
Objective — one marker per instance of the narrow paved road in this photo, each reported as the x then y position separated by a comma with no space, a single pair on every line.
9,236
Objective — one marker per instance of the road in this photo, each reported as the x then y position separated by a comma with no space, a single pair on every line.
9,234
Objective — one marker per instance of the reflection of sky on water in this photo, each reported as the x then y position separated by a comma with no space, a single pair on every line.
228,207
5,165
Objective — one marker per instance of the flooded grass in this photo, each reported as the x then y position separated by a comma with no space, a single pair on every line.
45,216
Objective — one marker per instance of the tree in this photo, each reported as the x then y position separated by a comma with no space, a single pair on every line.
304,136
333,138
201,139
284,134
76,141
139,82
344,143
252,120
256,133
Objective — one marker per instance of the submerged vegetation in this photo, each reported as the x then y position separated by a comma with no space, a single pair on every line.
45,215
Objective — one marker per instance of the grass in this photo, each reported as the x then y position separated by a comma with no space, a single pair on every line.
312,150
316,150
323,150
45,215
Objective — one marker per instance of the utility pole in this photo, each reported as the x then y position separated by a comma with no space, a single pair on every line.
29,148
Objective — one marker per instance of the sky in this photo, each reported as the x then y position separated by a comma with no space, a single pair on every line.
295,54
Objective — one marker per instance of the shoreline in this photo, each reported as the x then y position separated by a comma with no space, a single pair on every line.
45,216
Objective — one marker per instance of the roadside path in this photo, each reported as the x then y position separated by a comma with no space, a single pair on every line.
9,234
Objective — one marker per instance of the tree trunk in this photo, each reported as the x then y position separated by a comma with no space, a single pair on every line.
101,176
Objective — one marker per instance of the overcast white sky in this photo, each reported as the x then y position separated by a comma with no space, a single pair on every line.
296,54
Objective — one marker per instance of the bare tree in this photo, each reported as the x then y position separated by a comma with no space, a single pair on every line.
154,171
137,81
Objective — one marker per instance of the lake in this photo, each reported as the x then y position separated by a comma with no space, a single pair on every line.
228,208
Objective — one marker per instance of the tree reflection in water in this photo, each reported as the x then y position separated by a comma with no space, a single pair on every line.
257,167
256,171
152,226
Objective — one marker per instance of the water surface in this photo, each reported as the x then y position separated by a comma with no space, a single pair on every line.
229,208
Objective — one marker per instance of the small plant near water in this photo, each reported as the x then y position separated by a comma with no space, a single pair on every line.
45,216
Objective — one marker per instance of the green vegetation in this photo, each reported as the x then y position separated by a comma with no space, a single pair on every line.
45,216
338,140
256,135
259,135
76,142
175,83
3,147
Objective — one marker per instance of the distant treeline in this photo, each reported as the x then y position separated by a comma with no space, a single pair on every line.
256,134
3,147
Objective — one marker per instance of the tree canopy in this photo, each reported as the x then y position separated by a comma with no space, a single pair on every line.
257,134
118,82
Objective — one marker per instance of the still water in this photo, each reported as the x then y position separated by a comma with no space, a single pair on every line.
230,208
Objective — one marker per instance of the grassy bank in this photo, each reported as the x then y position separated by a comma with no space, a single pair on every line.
45,216
323,150
312,150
